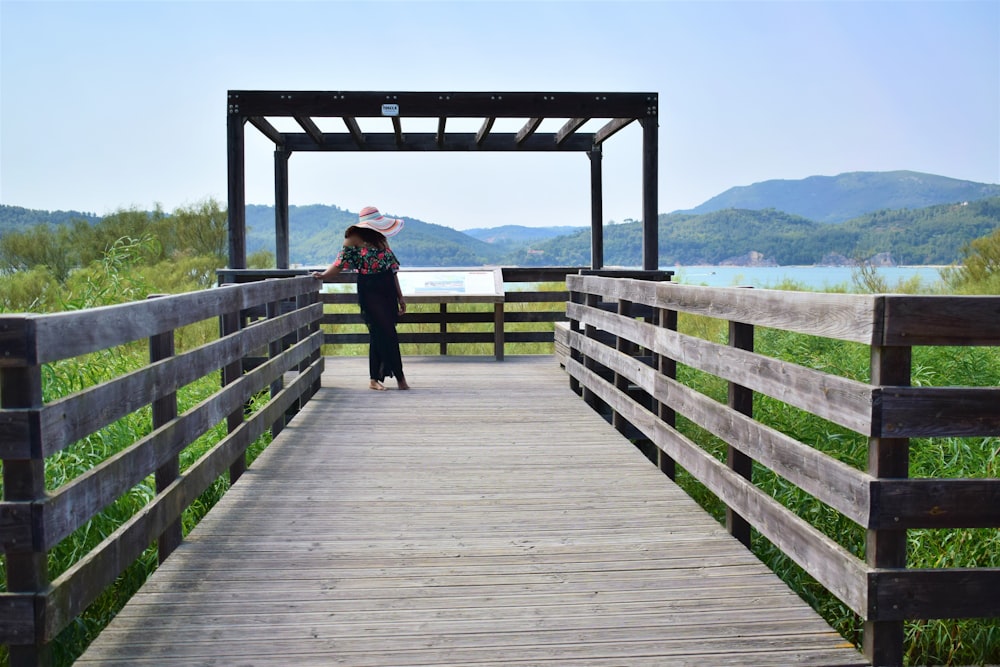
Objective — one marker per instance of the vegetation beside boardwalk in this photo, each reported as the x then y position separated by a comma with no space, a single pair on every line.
131,268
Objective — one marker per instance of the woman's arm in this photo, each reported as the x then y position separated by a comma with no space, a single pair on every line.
399,294
330,271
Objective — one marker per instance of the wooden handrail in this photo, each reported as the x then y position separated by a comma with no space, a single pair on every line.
34,609
887,410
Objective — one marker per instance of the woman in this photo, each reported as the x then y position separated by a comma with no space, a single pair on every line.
379,295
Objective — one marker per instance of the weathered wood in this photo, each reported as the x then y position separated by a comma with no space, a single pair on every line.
840,400
34,520
941,320
82,583
75,333
831,481
470,535
832,565
937,412
71,418
841,316
935,503
943,593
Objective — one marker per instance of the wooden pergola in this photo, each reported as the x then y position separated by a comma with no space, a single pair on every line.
573,109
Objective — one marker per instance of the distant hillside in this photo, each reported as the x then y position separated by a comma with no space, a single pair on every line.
317,234
17,217
847,196
779,222
933,235
518,234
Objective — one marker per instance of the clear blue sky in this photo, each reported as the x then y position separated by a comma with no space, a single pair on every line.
109,105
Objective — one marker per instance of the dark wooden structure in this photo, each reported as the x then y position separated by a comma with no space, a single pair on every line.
620,347
487,517
573,109
883,500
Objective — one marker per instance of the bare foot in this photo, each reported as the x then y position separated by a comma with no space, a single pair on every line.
403,385
376,385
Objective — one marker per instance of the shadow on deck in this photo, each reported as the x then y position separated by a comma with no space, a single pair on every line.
488,517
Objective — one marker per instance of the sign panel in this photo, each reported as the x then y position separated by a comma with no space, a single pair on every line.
444,282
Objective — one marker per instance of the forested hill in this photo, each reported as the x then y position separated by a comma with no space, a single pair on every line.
933,235
763,224
847,196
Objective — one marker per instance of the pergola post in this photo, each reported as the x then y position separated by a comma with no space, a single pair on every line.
650,224
596,209
281,239
237,186
575,109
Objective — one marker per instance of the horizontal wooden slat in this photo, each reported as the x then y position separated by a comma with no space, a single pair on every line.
74,333
936,503
76,502
945,593
834,483
532,534
74,417
935,412
832,565
841,316
942,320
82,583
840,400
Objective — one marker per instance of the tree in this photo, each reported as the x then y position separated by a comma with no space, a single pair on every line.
979,272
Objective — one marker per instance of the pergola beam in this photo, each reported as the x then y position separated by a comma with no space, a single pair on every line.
574,109
355,131
311,128
528,130
267,130
567,130
613,126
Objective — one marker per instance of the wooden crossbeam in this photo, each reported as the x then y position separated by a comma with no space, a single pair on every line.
268,130
571,126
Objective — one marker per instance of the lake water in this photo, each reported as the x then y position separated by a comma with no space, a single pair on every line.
810,277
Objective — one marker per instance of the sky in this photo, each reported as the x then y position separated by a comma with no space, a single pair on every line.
116,105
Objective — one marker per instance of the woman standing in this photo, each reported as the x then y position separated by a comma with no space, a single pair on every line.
367,251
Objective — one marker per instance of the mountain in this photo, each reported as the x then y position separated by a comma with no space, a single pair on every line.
839,198
18,217
317,234
932,235
779,221
518,234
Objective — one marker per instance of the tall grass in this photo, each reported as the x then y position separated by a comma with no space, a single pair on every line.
928,642
944,642
114,281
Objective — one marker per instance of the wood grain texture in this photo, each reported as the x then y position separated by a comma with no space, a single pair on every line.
487,517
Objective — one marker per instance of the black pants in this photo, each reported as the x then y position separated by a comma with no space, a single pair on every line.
379,309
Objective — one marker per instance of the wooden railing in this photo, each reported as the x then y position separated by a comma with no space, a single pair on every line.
628,364
531,325
269,342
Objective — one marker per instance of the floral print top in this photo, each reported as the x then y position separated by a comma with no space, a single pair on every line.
364,259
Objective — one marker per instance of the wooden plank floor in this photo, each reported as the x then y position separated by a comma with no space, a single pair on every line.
487,517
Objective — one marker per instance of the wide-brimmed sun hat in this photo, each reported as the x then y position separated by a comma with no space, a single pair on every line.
370,217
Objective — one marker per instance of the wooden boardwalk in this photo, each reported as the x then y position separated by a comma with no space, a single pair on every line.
488,517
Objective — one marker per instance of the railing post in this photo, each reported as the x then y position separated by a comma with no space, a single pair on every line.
231,323
590,331
161,346
443,328
498,331
24,481
886,548
740,399
668,367
621,382
574,353
274,349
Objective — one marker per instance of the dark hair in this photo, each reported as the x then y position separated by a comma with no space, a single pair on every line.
368,235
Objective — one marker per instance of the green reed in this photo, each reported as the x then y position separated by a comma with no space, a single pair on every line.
928,642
